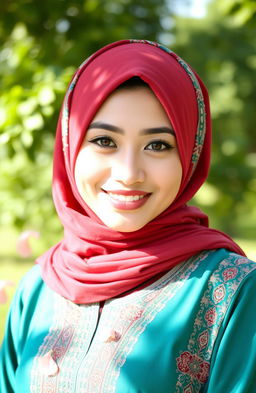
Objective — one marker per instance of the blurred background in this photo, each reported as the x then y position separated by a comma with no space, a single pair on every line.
42,43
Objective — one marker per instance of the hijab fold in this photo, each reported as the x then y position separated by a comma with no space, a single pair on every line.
93,262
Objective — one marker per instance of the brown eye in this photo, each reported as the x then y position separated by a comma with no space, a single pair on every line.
158,146
103,142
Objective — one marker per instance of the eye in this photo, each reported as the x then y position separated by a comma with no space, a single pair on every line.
158,146
103,141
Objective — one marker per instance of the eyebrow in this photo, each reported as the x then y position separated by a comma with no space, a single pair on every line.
146,131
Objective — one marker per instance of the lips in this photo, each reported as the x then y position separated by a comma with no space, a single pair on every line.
127,199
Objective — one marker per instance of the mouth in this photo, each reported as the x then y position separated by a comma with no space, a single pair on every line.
127,200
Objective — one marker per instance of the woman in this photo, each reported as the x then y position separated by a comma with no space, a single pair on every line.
140,295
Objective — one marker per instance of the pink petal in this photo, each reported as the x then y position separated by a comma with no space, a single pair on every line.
47,364
3,294
113,336
23,246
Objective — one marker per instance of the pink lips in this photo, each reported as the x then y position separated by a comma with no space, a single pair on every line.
125,204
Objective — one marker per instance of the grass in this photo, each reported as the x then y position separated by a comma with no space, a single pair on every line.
13,267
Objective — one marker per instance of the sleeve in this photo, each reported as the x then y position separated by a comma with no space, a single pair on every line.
9,352
233,365
17,328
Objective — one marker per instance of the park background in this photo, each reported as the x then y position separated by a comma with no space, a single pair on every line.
42,43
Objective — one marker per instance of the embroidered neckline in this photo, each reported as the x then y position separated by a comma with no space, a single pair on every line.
90,353
128,316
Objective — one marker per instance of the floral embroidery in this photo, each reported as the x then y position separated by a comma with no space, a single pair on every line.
230,273
193,363
132,312
210,316
219,293
194,366
188,389
203,340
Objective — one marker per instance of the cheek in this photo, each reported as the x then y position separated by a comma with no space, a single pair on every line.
179,173
169,176
179,177
88,170
81,170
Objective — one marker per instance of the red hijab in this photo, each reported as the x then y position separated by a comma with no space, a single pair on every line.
93,262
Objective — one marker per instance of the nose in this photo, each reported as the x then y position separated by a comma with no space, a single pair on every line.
128,169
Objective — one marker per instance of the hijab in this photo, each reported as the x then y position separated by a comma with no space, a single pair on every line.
93,262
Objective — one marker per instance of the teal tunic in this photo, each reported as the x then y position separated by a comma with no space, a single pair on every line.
193,330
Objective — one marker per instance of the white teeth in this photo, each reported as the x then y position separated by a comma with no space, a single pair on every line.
126,198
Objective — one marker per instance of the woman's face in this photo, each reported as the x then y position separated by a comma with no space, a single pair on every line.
128,169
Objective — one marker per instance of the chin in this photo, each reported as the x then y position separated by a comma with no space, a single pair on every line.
125,227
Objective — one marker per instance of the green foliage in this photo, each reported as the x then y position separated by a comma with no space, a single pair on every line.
41,45
43,42
31,97
223,52
241,11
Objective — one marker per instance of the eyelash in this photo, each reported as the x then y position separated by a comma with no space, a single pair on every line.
166,145
98,141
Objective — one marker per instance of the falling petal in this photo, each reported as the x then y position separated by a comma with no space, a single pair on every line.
3,295
47,364
23,246
113,336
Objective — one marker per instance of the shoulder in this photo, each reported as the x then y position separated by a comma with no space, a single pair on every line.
225,265
30,287
31,279
220,269
239,274
230,290
232,267
223,281
228,273
32,304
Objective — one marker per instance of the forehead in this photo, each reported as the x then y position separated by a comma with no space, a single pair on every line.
138,104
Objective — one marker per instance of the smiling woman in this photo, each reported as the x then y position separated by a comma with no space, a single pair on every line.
128,169
140,295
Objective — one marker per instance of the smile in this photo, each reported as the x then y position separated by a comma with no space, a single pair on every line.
127,200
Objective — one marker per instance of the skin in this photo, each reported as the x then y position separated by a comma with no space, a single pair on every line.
130,146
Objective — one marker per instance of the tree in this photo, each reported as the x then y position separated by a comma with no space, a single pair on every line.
41,45
43,42
222,47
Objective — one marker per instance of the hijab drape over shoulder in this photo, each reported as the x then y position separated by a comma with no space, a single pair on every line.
93,262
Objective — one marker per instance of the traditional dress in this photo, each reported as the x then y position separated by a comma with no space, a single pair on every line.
167,308
192,330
